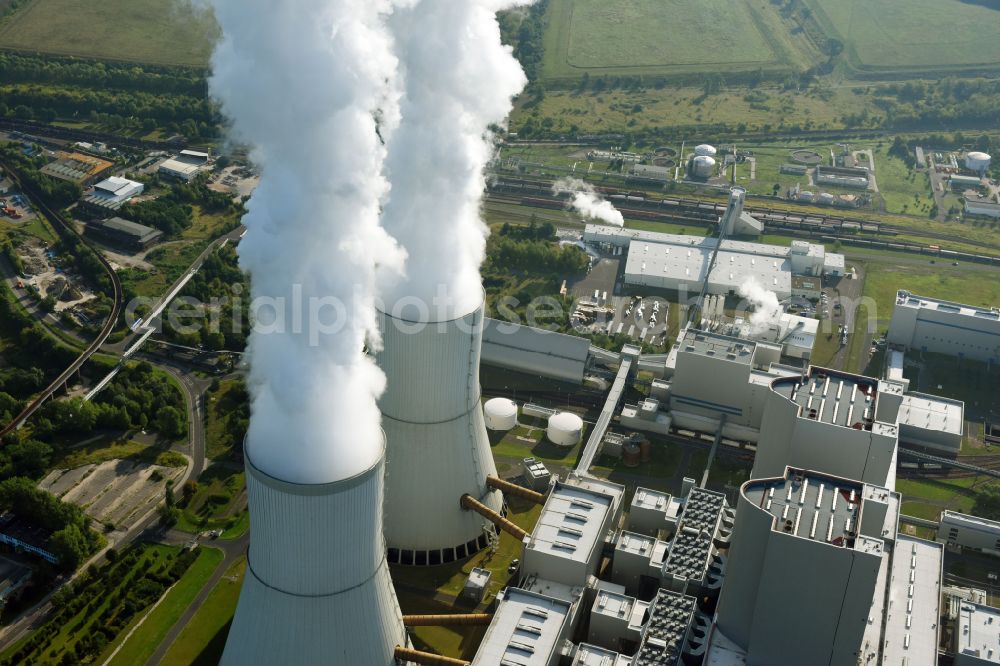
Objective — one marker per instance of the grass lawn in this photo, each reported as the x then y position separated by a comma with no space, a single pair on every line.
904,189
883,279
141,645
207,226
204,637
912,34
170,262
657,37
151,31
524,441
925,494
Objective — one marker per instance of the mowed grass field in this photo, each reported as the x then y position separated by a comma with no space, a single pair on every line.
914,34
160,32
639,37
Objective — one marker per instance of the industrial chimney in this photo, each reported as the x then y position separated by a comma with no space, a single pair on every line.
437,448
317,587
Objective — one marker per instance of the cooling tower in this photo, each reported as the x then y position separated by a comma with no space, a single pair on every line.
436,443
317,587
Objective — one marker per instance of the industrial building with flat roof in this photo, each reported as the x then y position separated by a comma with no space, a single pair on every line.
125,233
960,529
528,629
185,166
77,168
983,207
536,351
679,262
977,635
944,327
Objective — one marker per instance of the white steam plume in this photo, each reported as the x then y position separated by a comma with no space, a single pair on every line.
459,80
767,309
300,82
588,202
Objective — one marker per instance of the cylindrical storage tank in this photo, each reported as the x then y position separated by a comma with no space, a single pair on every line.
826,198
645,450
317,586
705,150
631,454
806,195
977,161
703,166
564,429
437,447
500,413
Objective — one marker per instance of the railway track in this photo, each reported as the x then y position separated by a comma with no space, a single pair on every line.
641,205
64,227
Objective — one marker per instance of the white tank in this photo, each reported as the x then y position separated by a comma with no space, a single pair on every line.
500,413
703,166
806,195
317,588
977,161
826,197
564,429
705,150
437,448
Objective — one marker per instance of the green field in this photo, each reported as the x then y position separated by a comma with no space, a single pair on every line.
149,31
664,37
203,638
913,34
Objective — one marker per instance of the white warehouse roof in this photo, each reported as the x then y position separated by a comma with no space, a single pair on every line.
571,524
526,630
116,185
977,629
672,266
931,412
912,615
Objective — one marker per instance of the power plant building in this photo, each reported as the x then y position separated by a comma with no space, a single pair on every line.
975,635
681,262
831,422
536,351
528,629
943,327
437,447
959,529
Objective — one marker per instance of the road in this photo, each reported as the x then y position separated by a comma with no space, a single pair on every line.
232,550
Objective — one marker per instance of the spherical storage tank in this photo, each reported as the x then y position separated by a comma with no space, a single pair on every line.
977,161
704,166
705,150
500,413
565,429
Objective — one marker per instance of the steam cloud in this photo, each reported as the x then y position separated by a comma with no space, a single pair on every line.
458,81
302,82
767,309
588,202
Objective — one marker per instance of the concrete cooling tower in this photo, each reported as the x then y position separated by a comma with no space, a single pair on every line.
317,587
437,448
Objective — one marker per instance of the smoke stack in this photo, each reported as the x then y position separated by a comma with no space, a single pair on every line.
314,594
437,448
